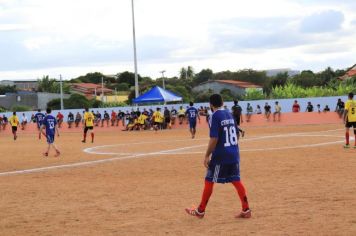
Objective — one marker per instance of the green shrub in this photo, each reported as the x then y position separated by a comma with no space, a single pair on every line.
254,94
18,108
113,104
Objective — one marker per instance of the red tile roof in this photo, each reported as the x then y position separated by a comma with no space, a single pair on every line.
237,83
351,72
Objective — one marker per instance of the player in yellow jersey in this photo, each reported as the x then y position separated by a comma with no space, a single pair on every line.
14,122
350,119
157,119
141,120
88,125
181,114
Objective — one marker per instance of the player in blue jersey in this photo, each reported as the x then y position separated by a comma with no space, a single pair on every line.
222,158
192,115
39,116
49,123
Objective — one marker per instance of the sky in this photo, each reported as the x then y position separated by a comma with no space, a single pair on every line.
75,37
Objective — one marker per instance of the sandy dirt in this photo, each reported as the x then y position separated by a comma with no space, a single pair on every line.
300,181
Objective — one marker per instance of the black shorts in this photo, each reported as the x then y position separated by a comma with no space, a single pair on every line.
238,121
87,128
167,119
350,124
14,128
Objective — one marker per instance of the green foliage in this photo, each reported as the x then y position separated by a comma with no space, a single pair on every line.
128,78
76,101
2,109
123,87
51,85
7,89
203,76
113,104
94,78
203,97
254,94
54,104
18,108
227,95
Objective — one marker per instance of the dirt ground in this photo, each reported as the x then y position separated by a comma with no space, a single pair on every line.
300,181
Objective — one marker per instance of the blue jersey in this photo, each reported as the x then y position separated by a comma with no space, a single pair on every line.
192,113
222,127
39,118
50,122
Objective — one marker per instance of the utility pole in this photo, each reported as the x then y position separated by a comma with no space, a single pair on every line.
102,88
61,91
134,48
162,72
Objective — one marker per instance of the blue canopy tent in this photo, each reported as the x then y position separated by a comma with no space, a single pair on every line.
156,95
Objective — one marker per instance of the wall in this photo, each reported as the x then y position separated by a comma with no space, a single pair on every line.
217,87
27,99
44,98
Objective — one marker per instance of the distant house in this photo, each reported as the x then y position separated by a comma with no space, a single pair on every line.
22,85
237,88
349,73
90,90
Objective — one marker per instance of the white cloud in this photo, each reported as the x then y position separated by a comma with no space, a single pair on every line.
75,37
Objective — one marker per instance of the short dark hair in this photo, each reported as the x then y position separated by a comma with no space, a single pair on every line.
216,100
14,113
351,95
86,109
191,104
48,110
235,102
39,110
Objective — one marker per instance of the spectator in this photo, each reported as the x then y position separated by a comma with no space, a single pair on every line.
78,119
59,119
174,115
340,107
5,121
258,110
318,107
167,118
296,107
249,111
267,111
23,121
113,118
277,111
70,119
310,107
326,109
106,119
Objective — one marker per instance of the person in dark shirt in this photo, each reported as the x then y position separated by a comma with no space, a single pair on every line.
267,108
310,107
340,107
237,114
70,119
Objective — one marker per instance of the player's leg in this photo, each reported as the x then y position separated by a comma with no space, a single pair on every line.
347,134
354,126
47,150
241,191
56,149
200,211
92,135
85,134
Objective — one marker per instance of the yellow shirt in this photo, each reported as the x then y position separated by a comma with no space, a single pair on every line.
158,117
181,112
14,121
141,119
89,119
350,106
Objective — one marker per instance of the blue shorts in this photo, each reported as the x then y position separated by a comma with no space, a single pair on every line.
192,124
50,139
223,173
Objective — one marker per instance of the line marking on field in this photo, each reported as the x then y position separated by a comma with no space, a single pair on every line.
174,151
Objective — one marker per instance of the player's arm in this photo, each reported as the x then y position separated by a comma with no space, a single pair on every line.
209,150
346,111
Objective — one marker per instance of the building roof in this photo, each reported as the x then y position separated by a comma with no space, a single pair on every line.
91,86
350,73
236,83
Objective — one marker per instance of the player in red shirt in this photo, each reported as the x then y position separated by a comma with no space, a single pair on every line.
222,158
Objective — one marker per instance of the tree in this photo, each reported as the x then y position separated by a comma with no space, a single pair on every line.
307,78
94,78
326,75
203,76
51,85
186,73
7,89
127,77
76,101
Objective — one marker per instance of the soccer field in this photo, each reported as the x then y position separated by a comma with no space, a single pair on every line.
299,180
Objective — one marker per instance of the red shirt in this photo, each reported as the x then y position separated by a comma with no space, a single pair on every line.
60,116
296,107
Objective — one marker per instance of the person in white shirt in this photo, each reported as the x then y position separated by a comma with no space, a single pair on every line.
23,121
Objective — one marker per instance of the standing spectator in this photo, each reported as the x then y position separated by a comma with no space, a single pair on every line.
181,114
174,115
340,107
267,111
258,110
59,119
106,119
167,118
23,121
97,118
70,119
318,107
249,111
310,107
121,116
236,113
113,117
5,121
277,111
78,119
296,107
326,109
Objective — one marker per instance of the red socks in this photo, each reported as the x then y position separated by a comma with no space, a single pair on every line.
208,190
242,194
347,135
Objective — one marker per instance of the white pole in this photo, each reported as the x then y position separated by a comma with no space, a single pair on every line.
164,85
102,89
134,47
61,91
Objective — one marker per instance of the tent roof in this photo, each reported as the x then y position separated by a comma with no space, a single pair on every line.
157,94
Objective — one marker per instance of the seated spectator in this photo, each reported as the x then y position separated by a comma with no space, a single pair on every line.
78,119
113,118
340,107
59,118
277,111
326,109
70,119
310,107
318,107
296,107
